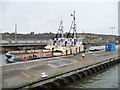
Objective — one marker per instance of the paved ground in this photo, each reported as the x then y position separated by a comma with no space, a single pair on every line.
20,73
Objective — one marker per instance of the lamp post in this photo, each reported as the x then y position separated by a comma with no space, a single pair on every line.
112,29
15,33
112,33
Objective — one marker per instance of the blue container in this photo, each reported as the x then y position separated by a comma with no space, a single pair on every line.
110,47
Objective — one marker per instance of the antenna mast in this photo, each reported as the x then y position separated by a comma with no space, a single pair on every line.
60,29
73,26
15,33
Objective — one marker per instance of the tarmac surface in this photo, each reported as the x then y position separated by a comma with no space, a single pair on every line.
21,73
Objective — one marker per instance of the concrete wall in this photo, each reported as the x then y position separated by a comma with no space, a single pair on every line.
57,83
71,76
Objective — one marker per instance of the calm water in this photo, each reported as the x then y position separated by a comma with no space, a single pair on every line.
104,79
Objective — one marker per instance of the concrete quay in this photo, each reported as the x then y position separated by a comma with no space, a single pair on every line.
18,74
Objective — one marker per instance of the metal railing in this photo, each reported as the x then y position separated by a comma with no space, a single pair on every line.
3,42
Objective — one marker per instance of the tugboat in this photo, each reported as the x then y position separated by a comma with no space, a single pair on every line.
59,46
25,55
68,45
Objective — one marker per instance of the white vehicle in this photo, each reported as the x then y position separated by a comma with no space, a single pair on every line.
43,75
83,55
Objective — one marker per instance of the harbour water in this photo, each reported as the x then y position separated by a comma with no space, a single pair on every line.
105,79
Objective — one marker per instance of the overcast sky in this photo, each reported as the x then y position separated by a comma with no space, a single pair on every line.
92,17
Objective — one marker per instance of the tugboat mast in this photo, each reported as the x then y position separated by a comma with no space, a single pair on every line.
73,26
59,33
60,29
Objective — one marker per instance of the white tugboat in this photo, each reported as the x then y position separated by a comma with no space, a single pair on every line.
66,45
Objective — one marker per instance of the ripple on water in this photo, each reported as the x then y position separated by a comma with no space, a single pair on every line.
105,79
